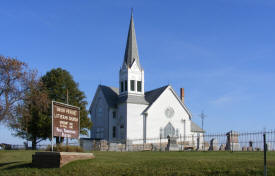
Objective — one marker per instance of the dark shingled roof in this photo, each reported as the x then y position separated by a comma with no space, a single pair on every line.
132,99
111,95
112,98
152,95
196,128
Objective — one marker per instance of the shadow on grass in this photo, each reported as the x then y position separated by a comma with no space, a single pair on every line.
18,166
7,163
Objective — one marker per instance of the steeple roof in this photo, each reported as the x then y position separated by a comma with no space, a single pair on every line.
131,51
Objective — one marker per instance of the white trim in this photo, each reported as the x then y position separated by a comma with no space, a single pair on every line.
56,102
170,87
97,89
186,109
146,111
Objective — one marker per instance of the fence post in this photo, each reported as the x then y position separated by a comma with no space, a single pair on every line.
265,148
203,141
181,143
160,143
231,139
143,144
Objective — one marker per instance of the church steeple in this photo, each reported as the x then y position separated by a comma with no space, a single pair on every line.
131,74
131,50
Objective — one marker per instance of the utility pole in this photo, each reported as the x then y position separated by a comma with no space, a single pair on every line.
202,116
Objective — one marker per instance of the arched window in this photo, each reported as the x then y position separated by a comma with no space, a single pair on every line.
169,130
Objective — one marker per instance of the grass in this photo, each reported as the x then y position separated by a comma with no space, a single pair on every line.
145,163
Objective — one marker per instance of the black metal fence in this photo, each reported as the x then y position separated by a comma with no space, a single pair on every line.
230,141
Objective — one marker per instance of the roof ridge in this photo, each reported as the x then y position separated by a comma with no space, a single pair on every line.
157,88
108,86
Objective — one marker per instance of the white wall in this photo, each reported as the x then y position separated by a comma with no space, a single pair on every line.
135,121
133,73
122,114
156,118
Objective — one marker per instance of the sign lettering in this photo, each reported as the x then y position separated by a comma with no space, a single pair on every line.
65,120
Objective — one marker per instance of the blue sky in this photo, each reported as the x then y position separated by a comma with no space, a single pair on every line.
221,51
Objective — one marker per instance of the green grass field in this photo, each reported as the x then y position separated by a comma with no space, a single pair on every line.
145,163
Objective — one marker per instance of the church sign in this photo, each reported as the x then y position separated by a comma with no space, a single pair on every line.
65,120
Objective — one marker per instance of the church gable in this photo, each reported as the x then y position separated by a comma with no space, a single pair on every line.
164,96
166,114
109,94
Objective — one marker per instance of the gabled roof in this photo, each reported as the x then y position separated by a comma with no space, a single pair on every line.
196,128
111,95
131,50
133,99
152,95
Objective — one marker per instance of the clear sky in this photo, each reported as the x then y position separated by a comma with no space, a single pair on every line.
221,51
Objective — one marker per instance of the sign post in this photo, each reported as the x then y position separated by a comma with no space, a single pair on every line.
65,120
265,149
65,123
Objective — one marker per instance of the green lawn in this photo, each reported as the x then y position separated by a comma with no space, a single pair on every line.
145,163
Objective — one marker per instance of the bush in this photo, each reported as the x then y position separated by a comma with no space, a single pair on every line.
64,148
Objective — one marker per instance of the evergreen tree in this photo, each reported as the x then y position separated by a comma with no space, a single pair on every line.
57,82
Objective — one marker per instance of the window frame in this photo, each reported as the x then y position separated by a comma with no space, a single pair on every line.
125,86
139,85
132,85
114,132
121,86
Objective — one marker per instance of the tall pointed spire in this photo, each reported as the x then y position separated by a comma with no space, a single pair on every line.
131,51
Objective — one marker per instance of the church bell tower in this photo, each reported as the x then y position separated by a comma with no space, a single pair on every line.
131,74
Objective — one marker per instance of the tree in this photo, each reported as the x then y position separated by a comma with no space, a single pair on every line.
12,75
32,121
57,82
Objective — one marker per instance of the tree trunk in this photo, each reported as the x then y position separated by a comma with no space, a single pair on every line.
34,143
61,139
57,141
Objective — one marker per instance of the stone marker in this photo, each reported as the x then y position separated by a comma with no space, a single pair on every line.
172,144
250,148
232,142
222,147
244,149
213,145
205,146
57,159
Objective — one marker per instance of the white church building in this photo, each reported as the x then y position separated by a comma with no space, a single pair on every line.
129,113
